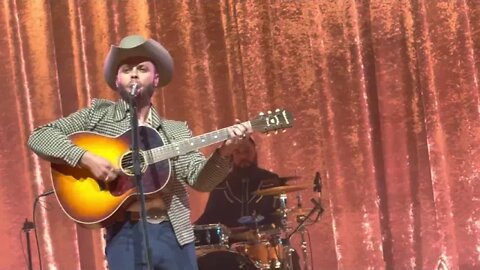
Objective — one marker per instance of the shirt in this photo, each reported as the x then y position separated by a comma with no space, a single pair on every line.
234,198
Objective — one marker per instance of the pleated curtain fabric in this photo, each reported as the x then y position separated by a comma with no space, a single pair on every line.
385,96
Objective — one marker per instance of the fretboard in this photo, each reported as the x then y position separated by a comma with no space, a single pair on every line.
182,147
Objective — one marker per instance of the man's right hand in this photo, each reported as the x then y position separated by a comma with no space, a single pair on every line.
101,168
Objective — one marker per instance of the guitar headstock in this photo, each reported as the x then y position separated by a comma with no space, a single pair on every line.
272,121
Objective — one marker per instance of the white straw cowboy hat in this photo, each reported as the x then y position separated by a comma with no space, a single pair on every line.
134,46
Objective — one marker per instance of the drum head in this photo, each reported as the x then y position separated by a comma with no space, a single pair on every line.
225,260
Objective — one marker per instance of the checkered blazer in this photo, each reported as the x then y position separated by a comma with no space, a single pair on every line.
112,118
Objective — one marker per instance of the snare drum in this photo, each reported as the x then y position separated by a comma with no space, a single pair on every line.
211,236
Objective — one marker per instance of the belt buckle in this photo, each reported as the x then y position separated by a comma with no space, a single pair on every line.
155,219
155,216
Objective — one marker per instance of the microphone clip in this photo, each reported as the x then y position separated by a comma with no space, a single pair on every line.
317,205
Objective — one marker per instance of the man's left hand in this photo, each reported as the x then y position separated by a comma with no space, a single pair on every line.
236,133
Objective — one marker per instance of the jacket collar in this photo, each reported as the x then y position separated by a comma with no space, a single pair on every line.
121,109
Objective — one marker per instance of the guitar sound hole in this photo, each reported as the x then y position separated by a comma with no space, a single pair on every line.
127,163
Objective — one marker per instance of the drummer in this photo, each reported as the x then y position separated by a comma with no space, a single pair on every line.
233,202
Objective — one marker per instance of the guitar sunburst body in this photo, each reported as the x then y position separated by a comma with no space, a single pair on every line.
92,203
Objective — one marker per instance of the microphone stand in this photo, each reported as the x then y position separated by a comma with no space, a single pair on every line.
30,225
138,176
27,226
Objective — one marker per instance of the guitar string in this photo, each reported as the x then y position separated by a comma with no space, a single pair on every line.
173,149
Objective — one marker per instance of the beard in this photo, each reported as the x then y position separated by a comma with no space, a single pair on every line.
244,167
144,95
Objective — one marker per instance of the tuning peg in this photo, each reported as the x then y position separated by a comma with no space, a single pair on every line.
284,130
277,110
269,112
261,114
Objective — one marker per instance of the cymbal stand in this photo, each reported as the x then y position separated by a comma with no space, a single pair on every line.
257,229
287,264
303,244
301,228
283,209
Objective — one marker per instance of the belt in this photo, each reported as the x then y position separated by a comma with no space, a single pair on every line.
152,217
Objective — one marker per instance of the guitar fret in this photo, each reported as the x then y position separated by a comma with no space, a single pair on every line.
182,147
148,157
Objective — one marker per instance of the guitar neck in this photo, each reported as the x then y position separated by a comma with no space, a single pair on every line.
184,146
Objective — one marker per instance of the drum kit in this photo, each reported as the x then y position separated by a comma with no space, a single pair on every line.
258,246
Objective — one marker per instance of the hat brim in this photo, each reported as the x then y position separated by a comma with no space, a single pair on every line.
149,49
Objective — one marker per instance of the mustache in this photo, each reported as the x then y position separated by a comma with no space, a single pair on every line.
139,87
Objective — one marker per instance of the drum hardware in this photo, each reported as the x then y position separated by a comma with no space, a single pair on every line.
301,228
261,244
211,236
224,259
264,248
302,215
265,254
278,240
304,247
251,246
277,252
281,193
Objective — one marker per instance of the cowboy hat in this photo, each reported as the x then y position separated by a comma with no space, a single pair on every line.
133,46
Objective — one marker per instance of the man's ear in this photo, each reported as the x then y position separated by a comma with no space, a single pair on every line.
156,79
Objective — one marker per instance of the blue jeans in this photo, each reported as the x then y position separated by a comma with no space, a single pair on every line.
124,248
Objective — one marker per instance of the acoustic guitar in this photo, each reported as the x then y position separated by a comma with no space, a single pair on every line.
94,203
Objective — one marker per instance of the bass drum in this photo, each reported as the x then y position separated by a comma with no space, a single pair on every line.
224,260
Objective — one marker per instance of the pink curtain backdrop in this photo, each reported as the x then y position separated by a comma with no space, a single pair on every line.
385,95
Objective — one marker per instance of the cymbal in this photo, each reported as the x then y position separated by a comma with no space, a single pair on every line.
295,211
279,180
300,211
280,189
290,178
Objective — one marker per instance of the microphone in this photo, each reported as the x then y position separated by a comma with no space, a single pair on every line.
317,183
317,187
134,90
